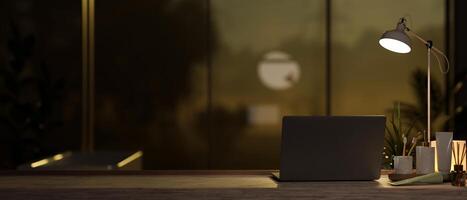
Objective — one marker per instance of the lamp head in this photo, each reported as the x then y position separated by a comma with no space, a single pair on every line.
396,40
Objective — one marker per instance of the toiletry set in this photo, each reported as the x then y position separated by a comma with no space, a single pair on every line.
435,157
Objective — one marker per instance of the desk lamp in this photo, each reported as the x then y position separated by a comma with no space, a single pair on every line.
398,41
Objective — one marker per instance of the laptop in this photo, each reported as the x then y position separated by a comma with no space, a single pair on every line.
331,148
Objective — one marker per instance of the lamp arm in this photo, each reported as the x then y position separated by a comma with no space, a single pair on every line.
436,50
416,36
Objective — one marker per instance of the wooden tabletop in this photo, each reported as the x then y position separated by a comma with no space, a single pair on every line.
209,186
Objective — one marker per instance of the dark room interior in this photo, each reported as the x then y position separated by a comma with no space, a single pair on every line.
233,99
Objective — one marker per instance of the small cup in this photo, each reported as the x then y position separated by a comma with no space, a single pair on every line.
425,160
403,164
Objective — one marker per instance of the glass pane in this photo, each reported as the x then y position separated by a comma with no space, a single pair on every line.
268,61
40,80
366,78
151,81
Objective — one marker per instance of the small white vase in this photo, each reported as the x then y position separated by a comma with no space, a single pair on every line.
425,160
403,164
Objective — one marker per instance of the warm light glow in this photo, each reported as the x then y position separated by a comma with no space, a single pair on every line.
394,45
454,142
39,163
58,157
46,161
130,159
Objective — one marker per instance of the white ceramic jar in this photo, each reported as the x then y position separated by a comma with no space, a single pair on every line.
403,164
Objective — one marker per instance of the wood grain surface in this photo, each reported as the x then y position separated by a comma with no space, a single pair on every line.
209,186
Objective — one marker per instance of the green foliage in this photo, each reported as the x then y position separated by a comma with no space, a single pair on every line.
395,130
418,112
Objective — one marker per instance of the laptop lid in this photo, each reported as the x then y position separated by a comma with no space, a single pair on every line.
325,148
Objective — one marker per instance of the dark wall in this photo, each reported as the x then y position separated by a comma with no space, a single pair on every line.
460,66
40,79
147,53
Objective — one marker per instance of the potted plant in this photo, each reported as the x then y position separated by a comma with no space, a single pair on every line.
398,150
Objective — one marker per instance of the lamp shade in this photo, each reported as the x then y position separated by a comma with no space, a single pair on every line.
396,40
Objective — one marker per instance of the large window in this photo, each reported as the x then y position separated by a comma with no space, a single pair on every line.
357,58
268,62
151,81
196,84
